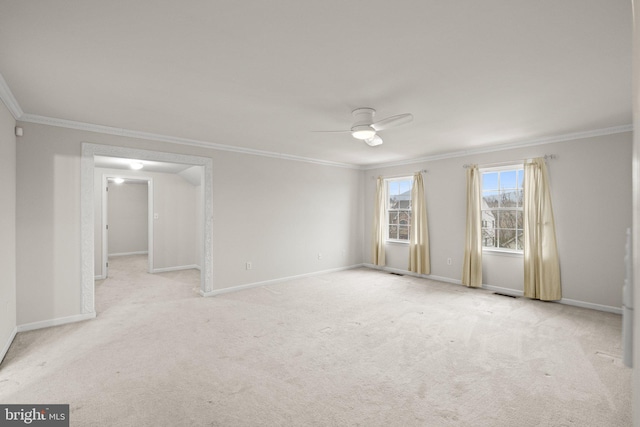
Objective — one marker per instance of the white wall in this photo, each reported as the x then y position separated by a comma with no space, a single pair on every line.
195,175
7,229
127,210
174,232
591,191
278,214
47,226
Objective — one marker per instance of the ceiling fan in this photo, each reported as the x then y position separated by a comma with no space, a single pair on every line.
365,129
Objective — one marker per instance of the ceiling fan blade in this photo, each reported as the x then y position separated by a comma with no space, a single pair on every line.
392,121
373,141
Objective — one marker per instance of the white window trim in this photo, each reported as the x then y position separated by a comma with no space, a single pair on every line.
386,219
502,251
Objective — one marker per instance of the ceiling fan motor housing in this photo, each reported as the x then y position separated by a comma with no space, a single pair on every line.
363,116
361,128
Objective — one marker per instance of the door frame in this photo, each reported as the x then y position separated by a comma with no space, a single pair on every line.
105,218
87,206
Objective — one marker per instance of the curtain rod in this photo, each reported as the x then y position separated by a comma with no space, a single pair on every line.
402,175
490,165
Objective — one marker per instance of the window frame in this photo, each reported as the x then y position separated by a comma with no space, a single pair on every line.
387,209
516,166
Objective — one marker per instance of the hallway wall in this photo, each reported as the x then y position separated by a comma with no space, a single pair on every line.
128,218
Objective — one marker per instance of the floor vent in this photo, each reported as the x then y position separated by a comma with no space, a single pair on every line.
396,274
505,295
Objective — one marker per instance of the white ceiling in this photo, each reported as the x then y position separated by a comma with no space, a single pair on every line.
262,74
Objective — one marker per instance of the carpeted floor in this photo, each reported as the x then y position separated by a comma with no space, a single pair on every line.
359,347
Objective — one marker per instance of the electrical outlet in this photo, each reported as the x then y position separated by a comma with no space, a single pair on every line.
448,261
248,265
319,256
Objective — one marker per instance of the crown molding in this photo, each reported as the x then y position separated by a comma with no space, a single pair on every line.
43,120
9,100
507,146
70,124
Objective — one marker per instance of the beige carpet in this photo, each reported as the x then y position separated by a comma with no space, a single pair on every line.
359,347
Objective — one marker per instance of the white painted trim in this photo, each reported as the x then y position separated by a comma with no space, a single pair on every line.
55,322
150,225
129,253
274,281
508,146
591,305
104,194
176,268
502,253
6,346
99,277
87,162
564,301
51,121
412,274
32,118
506,291
9,100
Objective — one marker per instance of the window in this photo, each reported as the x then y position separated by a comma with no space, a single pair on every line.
399,208
502,198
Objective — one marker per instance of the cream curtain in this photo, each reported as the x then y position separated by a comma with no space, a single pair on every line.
472,266
379,222
419,232
541,264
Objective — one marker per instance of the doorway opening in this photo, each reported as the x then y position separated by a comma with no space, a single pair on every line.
127,216
88,212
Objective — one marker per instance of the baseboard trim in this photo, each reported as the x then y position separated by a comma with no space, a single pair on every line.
274,281
99,277
507,291
5,349
591,305
411,273
176,268
128,253
55,322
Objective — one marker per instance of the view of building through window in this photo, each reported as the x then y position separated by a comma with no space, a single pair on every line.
502,198
399,208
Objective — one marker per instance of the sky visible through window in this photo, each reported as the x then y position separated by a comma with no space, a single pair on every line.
508,180
398,187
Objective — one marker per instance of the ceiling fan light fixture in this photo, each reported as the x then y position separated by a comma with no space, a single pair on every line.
374,141
363,132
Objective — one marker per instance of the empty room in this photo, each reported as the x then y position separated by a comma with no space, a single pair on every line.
319,213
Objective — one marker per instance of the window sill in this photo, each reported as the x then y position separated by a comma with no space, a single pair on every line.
501,252
397,242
